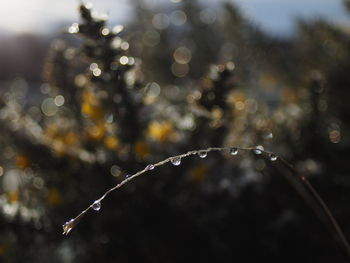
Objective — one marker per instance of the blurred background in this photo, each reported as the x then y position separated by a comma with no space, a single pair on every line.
92,92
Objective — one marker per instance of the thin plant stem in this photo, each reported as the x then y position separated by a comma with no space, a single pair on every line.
69,225
328,213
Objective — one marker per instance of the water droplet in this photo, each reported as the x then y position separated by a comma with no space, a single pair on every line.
96,205
273,157
234,151
150,167
258,150
127,176
203,154
176,161
68,226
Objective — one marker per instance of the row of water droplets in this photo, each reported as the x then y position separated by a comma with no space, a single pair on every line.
96,205
260,149
176,161
233,151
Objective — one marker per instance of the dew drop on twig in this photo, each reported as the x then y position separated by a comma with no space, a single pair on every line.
234,151
68,226
176,161
203,154
96,205
150,167
127,176
273,157
258,150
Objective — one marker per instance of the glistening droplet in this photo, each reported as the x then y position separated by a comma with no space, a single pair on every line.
234,151
258,150
203,154
176,161
273,157
68,226
150,167
96,205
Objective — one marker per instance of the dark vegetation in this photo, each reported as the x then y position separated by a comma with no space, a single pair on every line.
179,78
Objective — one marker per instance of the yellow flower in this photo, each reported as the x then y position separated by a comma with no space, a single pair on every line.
161,131
111,142
96,132
91,106
71,138
142,149
51,130
54,197
289,96
237,99
58,146
13,196
3,248
199,173
22,161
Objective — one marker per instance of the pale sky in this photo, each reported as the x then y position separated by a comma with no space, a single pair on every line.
277,16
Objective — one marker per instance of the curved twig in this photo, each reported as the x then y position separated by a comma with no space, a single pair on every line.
69,225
